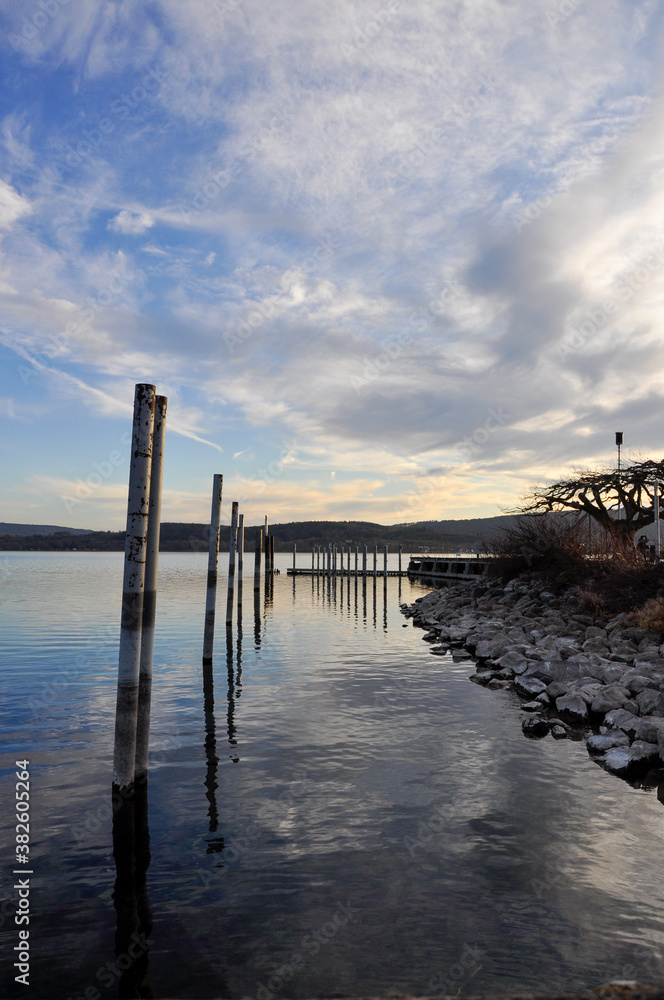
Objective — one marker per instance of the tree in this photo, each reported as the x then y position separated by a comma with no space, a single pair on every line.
601,494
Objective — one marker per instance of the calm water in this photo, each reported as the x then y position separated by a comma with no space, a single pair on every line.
344,814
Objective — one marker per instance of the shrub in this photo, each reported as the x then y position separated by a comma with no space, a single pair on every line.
550,545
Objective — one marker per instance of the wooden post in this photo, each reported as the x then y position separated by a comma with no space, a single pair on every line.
400,551
150,592
375,565
231,563
364,561
334,560
312,560
124,755
385,562
240,552
294,554
356,558
213,565
257,561
271,554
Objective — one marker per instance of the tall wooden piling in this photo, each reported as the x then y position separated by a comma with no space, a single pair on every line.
271,554
312,559
375,565
364,561
257,561
400,551
385,562
231,563
213,566
356,558
240,556
150,592
124,755
294,555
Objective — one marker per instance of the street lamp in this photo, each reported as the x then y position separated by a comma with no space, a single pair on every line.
619,441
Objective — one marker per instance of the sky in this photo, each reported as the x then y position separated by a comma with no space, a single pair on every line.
390,263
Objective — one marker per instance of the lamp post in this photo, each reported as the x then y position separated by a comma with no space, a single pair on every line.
619,441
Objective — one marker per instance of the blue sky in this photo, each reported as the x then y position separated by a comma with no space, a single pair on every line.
387,262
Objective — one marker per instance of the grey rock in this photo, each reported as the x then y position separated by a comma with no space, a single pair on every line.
490,649
531,706
535,726
610,697
631,706
511,659
623,646
650,702
460,654
529,685
595,646
557,689
573,706
558,732
592,632
482,677
496,684
543,698
620,719
618,760
638,683
626,761
649,729
600,744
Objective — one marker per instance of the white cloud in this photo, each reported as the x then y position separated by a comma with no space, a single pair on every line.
12,205
130,223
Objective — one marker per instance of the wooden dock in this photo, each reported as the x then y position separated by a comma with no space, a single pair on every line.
432,567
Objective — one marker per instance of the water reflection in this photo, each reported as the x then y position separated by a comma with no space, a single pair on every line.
131,850
211,758
230,715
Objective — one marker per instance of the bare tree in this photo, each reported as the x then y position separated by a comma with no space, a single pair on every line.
602,495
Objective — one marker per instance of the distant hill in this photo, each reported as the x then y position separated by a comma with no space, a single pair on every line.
438,536
6,528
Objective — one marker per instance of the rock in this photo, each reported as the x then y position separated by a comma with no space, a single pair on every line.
600,744
573,706
512,659
621,719
431,636
543,699
490,649
557,689
531,706
439,650
592,632
607,673
595,646
610,697
649,728
460,654
529,685
482,677
650,702
535,727
558,732
496,684
628,761
623,646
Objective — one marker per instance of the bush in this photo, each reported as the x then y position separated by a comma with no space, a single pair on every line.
550,545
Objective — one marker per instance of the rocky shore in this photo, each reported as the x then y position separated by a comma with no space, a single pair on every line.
579,676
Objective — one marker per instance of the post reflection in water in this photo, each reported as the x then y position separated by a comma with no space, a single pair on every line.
385,604
230,715
211,757
257,618
131,850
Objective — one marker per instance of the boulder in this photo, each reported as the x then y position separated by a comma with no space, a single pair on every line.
535,726
529,686
573,706
620,719
490,649
633,760
512,659
460,654
557,689
636,683
482,677
650,702
649,729
610,697
600,744
558,732
531,706
592,632
596,646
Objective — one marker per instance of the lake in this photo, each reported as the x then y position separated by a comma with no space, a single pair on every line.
333,811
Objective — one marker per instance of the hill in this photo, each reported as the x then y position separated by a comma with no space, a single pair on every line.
438,536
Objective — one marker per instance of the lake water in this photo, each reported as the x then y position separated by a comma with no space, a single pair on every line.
339,813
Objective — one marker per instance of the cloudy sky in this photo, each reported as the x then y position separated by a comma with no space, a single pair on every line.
387,262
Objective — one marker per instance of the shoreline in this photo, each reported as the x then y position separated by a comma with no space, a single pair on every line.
579,676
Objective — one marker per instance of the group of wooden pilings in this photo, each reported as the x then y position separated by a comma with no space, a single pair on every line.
139,589
326,560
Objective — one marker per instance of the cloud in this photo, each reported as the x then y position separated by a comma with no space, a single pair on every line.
130,223
12,205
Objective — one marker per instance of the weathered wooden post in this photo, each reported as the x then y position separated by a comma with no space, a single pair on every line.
257,561
129,659
356,558
150,592
271,554
240,560
312,559
375,565
400,551
385,562
364,561
231,563
213,566
294,554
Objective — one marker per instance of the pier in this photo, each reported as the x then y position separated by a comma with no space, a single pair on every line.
434,567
